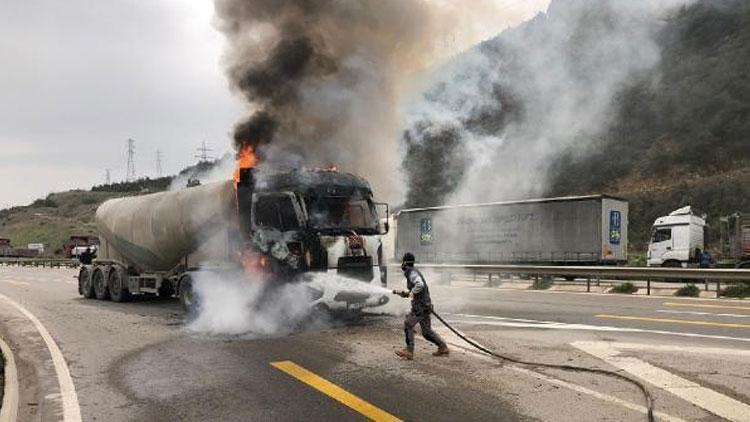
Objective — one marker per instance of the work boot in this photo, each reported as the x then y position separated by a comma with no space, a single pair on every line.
442,351
405,354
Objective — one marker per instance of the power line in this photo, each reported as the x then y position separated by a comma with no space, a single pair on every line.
159,157
130,174
203,151
108,176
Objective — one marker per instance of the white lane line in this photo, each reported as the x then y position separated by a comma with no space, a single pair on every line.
710,400
17,283
71,409
9,408
598,395
455,341
610,295
554,325
668,311
682,349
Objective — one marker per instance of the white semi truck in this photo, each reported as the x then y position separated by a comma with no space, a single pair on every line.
677,239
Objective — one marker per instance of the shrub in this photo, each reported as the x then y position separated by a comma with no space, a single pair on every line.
44,203
627,288
637,260
690,290
542,283
740,290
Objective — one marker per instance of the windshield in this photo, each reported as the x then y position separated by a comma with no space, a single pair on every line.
342,213
661,234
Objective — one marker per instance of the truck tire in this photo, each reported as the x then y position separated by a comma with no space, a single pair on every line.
99,280
671,264
118,287
85,285
188,298
166,290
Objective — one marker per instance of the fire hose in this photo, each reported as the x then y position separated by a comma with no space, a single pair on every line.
644,390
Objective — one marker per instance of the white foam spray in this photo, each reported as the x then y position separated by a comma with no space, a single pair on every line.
244,306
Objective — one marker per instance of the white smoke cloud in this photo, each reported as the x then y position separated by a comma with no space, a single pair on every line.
555,79
241,305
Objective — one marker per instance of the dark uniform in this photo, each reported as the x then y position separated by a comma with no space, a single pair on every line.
421,306
87,257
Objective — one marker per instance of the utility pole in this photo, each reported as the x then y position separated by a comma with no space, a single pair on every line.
159,157
130,174
108,177
203,151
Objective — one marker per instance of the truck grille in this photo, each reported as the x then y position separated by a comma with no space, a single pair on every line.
357,267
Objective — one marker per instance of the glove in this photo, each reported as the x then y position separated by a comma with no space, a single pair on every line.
402,293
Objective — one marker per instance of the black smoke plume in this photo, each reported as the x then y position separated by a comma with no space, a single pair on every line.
320,78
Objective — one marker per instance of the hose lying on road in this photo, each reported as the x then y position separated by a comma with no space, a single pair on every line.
646,394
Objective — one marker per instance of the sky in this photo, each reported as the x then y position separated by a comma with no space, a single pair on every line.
78,78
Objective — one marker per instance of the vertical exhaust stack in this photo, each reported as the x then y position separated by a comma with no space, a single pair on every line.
245,187
244,182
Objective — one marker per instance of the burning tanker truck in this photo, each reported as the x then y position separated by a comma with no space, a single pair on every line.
272,228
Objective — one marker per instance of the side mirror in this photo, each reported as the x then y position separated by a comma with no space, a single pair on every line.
383,213
383,227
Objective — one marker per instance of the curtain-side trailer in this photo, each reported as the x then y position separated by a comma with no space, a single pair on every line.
554,231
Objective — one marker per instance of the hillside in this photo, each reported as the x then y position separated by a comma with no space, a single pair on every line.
53,220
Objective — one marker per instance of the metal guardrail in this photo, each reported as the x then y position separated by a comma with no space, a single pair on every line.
40,262
598,273
640,273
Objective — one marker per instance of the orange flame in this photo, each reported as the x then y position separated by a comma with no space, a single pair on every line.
256,264
246,159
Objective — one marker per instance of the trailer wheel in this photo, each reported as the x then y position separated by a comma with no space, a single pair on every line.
118,288
85,285
188,298
99,280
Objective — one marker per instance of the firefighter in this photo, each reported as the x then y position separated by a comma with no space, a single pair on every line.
421,307
87,257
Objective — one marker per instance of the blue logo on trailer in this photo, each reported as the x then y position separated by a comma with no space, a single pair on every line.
615,227
425,231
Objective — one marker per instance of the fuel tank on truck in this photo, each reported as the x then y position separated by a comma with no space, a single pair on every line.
155,232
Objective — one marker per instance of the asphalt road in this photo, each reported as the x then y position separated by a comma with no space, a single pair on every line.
138,361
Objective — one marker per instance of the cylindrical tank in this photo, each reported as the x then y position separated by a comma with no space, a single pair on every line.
155,232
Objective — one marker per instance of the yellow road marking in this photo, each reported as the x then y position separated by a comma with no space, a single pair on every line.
334,391
699,305
675,321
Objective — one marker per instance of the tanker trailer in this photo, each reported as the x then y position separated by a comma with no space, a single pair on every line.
276,226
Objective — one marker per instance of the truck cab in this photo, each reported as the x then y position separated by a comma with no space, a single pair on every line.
315,220
735,239
677,239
